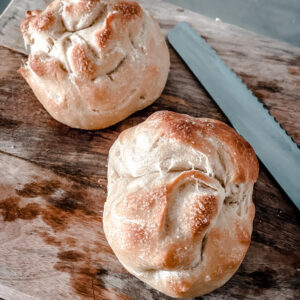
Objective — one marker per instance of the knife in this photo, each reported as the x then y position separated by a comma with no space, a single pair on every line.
277,151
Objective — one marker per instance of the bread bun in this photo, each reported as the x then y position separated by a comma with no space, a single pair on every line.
179,209
94,62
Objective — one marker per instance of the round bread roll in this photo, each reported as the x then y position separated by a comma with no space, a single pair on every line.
179,210
94,62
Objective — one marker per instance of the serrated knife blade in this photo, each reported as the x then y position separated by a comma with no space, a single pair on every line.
277,151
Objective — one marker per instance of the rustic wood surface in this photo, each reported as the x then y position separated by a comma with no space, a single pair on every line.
53,179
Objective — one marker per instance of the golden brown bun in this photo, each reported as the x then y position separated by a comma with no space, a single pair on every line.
179,210
94,62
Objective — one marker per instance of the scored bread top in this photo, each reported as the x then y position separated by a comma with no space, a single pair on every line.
94,62
179,209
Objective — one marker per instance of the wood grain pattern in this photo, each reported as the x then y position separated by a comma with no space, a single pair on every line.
53,179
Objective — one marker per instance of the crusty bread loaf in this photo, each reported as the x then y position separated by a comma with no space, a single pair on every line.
94,62
179,210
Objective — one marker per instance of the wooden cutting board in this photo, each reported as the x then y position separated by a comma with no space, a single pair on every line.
53,179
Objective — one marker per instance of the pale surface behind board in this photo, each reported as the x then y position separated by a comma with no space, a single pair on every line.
10,34
65,173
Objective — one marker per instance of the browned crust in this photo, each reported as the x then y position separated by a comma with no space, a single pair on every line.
92,100
140,204
199,240
38,20
128,10
25,23
81,7
46,68
82,64
186,129
153,206
179,287
202,210
103,37
124,12
33,13
43,21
